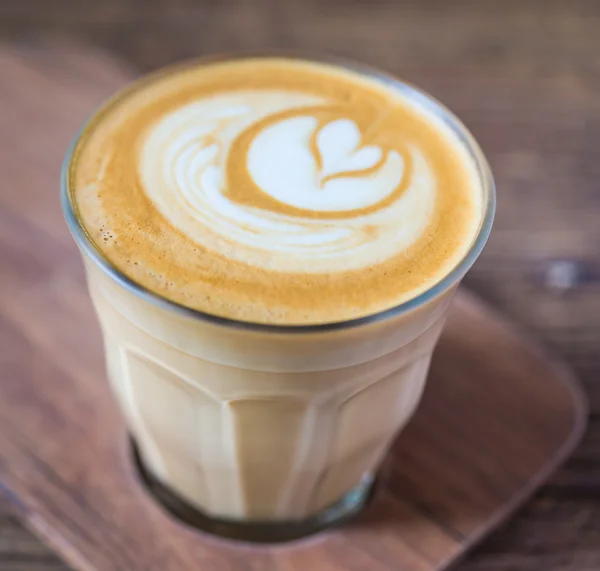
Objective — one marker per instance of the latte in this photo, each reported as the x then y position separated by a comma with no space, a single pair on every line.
276,190
283,192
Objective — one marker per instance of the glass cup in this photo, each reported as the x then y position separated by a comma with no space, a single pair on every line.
267,432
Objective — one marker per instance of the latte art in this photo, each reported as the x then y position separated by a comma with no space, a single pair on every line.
284,166
276,190
321,193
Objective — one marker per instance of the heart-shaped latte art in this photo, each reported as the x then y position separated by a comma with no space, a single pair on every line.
336,176
338,143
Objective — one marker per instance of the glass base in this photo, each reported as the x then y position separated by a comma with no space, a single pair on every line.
257,531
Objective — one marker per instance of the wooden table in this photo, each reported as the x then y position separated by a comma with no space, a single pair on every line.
540,124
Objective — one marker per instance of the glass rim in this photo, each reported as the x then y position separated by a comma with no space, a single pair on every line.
425,100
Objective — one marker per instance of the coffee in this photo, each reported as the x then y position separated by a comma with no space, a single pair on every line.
243,188
236,218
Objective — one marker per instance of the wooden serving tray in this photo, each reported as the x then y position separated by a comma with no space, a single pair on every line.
497,417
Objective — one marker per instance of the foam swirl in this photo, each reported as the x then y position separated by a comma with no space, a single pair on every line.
286,181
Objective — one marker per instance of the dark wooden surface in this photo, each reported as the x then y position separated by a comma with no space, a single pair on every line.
525,75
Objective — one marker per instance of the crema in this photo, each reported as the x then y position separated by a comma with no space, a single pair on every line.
276,190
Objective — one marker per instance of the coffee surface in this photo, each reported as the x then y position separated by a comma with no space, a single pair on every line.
276,190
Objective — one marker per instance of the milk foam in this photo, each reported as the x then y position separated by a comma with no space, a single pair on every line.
276,190
183,166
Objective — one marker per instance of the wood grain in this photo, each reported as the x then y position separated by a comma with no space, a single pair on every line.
497,417
542,265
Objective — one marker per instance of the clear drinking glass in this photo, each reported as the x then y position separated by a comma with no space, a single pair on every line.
267,432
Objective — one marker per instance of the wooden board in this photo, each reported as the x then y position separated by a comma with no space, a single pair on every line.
497,417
